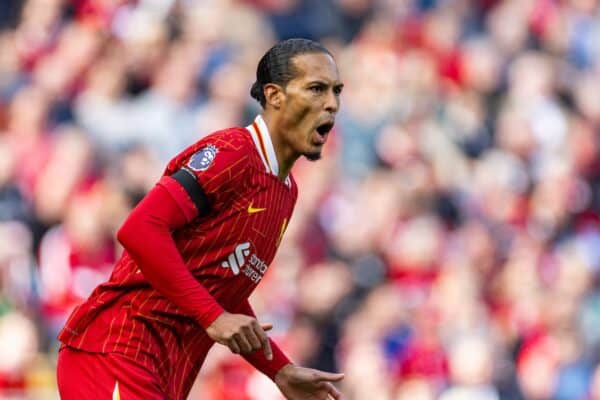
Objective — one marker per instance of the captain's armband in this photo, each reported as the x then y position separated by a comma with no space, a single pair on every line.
187,179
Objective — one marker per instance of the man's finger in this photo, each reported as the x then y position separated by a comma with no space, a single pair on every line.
328,376
330,390
266,327
243,343
333,392
252,338
266,345
268,351
233,346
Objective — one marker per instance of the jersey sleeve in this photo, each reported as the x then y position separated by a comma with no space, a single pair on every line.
158,258
206,177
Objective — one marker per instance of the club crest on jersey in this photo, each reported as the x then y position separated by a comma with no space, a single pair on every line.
203,158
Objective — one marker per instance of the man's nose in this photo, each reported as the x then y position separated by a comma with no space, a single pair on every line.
332,104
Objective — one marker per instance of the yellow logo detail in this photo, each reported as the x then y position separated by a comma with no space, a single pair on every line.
116,394
283,228
252,210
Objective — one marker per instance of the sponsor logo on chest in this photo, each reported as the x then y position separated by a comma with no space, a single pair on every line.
242,260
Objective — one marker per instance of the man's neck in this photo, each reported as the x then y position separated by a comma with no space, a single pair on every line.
284,153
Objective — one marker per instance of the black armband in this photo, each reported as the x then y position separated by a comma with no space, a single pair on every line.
187,179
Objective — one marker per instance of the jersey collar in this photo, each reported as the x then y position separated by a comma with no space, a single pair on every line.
262,140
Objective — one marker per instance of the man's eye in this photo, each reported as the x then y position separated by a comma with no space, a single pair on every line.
317,89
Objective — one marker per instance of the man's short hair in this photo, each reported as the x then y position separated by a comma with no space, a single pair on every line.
276,66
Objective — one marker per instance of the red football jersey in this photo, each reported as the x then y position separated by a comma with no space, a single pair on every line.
227,250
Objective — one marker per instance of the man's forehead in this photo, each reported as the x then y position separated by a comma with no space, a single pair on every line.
316,66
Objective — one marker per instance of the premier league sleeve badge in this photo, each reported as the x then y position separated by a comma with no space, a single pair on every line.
203,158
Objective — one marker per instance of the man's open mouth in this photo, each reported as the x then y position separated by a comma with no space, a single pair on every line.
324,128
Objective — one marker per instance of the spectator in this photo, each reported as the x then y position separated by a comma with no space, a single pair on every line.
447,245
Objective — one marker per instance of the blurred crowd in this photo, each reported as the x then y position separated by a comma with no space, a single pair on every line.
447,246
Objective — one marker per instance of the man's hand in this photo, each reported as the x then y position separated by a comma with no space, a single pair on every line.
241,333
297,383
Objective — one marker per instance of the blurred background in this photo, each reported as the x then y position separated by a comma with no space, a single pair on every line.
447,246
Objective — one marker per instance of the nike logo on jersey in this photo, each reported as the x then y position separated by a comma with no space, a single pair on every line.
252,210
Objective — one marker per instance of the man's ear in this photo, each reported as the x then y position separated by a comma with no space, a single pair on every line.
274,95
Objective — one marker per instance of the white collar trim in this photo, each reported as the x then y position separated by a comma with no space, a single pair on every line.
262,140
259,130
254,136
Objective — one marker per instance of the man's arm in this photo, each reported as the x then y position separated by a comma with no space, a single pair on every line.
146,235
258,359
296,383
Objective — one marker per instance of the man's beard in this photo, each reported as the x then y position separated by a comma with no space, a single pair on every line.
313,156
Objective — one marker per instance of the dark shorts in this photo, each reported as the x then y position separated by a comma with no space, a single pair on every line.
82,375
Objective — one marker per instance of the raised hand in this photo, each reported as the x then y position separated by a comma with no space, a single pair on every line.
241,333
297,383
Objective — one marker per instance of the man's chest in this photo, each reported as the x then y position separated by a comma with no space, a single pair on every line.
243,237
